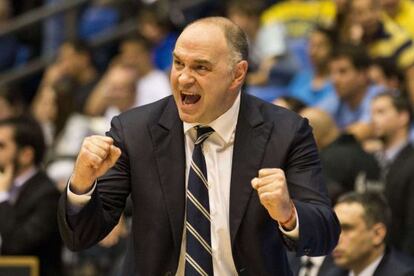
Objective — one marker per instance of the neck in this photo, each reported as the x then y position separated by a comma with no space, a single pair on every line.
395,139
369,259
24,169
356,98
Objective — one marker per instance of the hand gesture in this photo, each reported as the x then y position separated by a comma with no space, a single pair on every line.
96,156
273,193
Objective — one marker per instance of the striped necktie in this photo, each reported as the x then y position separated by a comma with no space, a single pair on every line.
198,260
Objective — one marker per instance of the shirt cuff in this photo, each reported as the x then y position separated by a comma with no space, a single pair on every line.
77,202
294,233
4,196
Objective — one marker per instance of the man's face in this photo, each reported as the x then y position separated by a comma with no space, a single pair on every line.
203,78
72,62
319,48
8,148
367,14
121,84
356,240
345,77
386,119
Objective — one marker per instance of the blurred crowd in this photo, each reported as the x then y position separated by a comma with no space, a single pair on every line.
345,65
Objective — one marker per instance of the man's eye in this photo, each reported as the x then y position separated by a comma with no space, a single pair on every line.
178,63
202,68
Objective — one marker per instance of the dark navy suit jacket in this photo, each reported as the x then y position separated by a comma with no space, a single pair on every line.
152,169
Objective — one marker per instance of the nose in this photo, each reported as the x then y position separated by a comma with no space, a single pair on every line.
185,78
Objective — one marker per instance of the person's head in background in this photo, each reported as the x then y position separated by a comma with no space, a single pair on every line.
324,128
348,67
11,103
153,25
391,117
22,144
246,14
136,50
121,86
320,48
209,68
384,71
290,103
367,14
74,58
364,219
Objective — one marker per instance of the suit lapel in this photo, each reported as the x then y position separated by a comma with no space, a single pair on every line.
249,146
168,140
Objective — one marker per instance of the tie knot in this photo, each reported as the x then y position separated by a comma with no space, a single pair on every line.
203,133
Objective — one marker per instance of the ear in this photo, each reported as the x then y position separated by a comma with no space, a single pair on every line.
26,156
379,231
240,72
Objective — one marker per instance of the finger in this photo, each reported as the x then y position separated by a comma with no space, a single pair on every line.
105,139
268,188
255,183
90,158
269,171
101,150
114,155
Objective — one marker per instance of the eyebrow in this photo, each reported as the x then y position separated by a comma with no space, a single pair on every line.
198,61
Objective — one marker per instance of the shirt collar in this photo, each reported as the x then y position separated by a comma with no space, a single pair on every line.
21,179
224,125
369,270
391,153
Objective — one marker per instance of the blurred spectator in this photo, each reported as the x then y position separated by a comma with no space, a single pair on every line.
157,29
290,103
73,64
384,72
401,12
299,18
391,116
28,198
362,248
383,38
313,85
11,103
350,105
114,93
269,59
346,166
153,84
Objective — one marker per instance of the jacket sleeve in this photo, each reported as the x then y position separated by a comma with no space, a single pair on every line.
97,218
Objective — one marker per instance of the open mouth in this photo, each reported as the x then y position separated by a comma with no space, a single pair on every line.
190,98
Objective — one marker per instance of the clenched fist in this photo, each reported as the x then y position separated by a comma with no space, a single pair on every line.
273,193
96,156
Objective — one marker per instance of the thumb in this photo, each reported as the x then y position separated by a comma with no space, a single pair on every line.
114,154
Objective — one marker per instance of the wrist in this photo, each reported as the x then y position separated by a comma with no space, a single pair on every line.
79,186
290,222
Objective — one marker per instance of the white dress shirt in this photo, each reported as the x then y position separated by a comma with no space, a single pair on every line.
218,153
369,270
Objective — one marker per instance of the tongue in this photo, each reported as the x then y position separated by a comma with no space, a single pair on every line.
191,99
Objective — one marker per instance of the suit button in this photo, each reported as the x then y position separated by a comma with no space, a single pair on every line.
169,273
306,251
